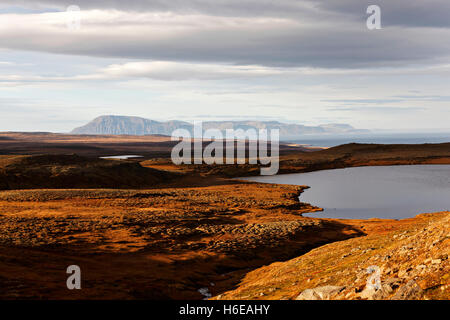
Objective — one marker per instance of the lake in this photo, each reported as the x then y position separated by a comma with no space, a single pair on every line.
122,157
336,140
394,192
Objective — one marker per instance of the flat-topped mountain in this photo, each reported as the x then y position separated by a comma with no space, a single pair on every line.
129,125
140,126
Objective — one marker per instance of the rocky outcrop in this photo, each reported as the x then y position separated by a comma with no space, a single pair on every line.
406,264
417,264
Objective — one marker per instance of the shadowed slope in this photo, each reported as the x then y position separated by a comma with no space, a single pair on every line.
72,171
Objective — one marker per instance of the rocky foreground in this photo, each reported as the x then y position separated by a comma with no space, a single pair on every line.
164,243
408,263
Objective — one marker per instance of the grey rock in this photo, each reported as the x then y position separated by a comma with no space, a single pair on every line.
320,293
409,291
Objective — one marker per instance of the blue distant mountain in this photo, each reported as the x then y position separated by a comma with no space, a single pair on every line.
125,125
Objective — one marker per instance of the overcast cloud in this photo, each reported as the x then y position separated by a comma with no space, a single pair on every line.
275,33
303,58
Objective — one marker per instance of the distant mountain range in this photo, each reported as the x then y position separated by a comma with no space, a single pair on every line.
124,125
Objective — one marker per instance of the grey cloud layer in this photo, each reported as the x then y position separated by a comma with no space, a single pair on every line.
219,7
434,13
323,33
415,13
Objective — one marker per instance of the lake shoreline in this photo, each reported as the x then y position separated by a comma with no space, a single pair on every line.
348,193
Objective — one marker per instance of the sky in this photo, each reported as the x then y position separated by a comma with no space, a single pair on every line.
310,62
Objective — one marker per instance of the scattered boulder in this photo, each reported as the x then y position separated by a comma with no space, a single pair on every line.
409,291
371,293
436,261
320,293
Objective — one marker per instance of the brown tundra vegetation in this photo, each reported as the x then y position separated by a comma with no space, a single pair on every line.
145,229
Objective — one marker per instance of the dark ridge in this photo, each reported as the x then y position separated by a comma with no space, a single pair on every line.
73,171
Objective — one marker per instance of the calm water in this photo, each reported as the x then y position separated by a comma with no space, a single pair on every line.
373,192
124,157
332,141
